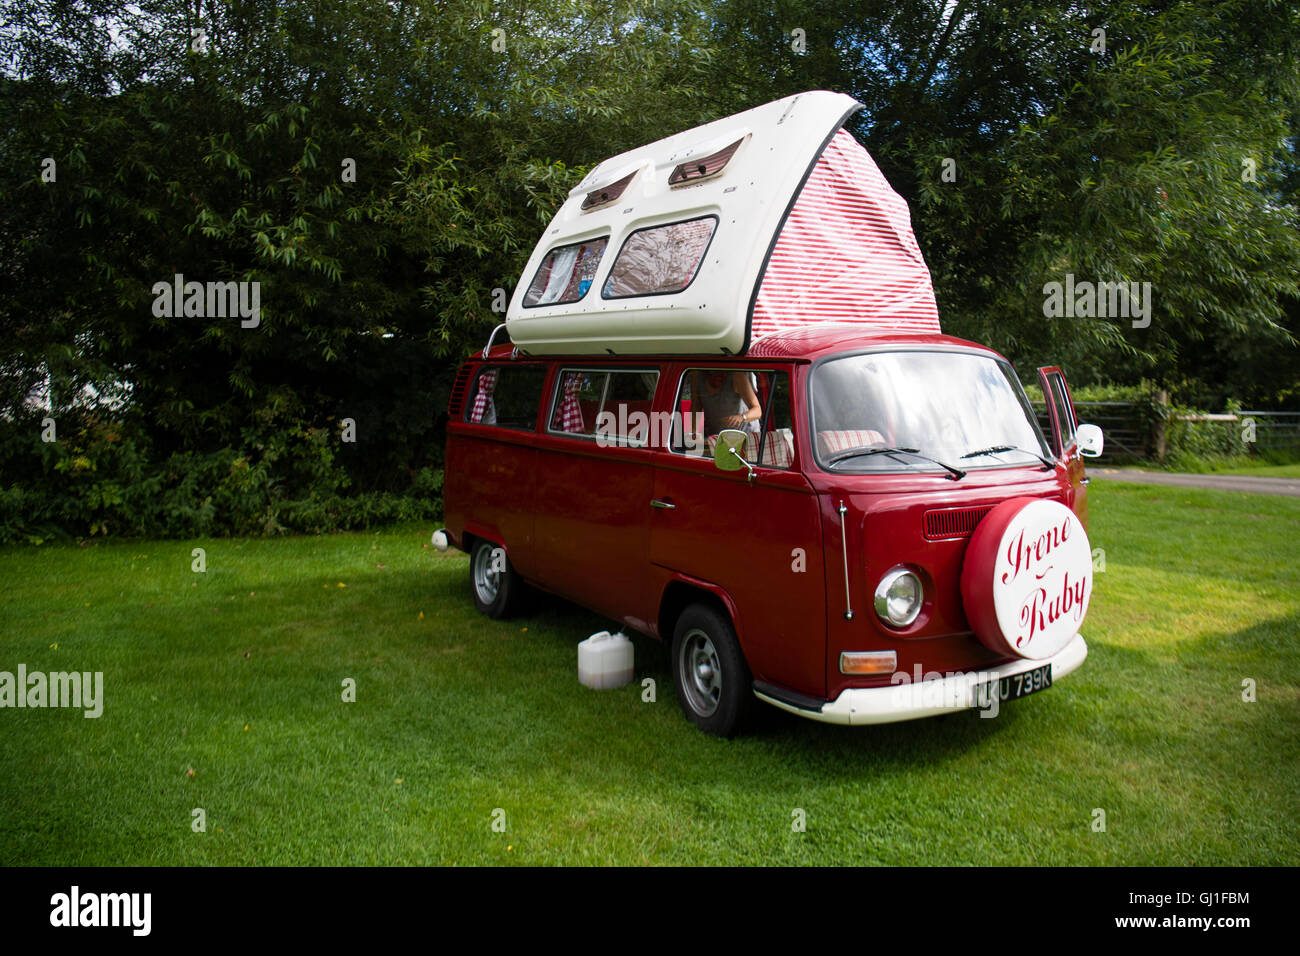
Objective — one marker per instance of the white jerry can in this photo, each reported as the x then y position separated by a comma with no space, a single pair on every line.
605,661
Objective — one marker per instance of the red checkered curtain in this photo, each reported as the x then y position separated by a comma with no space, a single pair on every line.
570,407
487,383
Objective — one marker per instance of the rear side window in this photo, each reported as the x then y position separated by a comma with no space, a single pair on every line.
755,401
660,259
566,273
611,406
507,396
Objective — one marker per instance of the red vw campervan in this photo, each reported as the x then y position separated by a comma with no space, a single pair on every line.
728,419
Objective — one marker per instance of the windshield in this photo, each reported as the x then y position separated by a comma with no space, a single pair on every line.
954,408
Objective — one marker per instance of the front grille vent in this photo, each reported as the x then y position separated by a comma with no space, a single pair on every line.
953,522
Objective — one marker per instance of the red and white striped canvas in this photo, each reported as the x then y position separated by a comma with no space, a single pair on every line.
847,253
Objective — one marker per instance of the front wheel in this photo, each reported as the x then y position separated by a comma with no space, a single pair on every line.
713,683
497,587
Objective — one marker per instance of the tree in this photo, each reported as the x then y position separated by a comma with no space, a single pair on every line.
1109,157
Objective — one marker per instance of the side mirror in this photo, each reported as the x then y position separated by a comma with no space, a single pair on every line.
1090,441
729,452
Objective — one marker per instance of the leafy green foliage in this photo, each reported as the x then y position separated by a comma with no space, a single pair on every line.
104,478
1123,162
381,170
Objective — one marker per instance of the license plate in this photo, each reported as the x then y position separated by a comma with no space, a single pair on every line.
1016,686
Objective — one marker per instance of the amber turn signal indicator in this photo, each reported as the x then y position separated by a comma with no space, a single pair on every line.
868,662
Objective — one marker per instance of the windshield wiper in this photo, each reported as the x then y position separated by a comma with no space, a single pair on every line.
956,474
998,449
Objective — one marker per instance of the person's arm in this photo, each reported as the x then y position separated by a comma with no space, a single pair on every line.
745,389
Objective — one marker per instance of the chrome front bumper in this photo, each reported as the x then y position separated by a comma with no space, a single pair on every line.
886,705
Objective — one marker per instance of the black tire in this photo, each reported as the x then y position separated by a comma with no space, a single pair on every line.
497,588
714,686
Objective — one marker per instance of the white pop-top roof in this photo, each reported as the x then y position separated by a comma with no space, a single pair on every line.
704,240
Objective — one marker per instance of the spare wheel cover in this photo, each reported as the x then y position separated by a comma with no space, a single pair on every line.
1026,580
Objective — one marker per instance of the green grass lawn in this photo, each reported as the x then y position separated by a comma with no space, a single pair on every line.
223,691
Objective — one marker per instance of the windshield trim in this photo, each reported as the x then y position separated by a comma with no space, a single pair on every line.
922,467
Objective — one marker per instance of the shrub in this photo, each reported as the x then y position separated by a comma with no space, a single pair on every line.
104,477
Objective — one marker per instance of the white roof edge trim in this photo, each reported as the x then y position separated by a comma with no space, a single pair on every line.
751,197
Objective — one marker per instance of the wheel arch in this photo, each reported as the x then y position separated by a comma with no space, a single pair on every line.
681,593
478,533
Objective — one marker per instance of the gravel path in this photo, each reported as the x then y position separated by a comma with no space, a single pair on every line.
1251,483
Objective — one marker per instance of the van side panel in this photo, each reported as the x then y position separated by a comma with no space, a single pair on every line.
488,489
592,526
760,542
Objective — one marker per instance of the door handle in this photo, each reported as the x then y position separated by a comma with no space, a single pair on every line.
662,503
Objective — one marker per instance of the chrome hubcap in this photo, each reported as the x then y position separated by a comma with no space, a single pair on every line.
488,564
700,672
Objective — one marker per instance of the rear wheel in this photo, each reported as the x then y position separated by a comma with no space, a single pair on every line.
496,586
713,683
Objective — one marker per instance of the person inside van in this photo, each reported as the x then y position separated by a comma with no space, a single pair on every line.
727,400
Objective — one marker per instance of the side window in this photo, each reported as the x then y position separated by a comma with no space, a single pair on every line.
755,401
1064,413
778,426
566,273
578,397
660,259
507,396
612,406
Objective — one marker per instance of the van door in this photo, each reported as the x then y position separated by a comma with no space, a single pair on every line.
592,486
758,541
1060,409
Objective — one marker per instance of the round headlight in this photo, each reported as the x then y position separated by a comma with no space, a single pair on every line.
898,597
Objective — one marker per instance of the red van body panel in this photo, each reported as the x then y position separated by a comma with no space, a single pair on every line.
487,485
592,526
747,538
